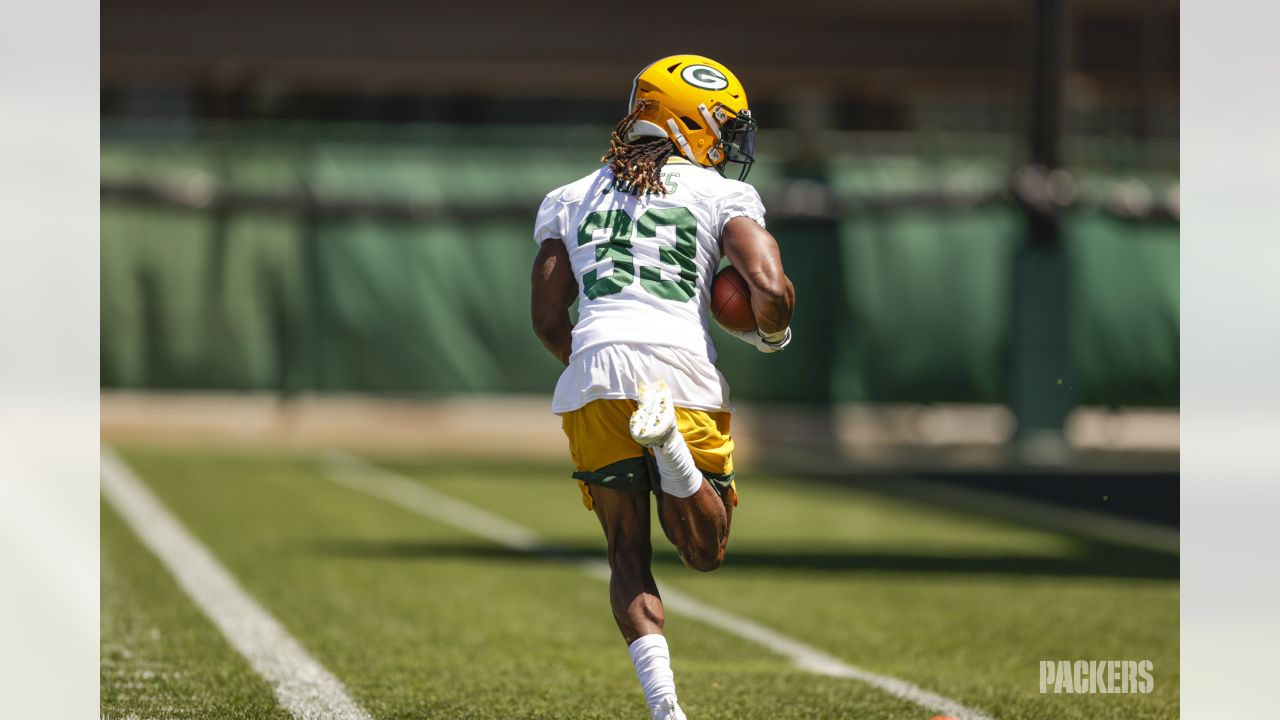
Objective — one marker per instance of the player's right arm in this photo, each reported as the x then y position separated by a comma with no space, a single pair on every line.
554,290
754,252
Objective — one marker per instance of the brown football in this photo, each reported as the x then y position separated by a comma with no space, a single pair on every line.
731,300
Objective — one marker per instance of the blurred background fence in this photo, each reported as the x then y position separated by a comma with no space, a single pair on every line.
345,203
316,258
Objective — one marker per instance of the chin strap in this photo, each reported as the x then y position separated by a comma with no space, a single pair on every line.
683,144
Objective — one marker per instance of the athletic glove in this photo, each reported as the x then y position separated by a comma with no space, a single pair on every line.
770,343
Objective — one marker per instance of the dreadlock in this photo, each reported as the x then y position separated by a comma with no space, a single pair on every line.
637,165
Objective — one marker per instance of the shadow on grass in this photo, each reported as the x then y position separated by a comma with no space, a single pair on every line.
1092,560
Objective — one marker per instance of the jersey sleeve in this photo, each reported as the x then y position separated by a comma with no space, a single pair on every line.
741,201
550,221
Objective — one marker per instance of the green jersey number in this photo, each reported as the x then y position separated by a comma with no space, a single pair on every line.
618,250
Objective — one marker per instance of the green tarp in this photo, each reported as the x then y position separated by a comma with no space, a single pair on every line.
893,304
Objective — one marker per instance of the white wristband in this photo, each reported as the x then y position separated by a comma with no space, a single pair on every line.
775,337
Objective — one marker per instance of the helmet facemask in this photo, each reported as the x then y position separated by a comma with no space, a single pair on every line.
735,139
737,143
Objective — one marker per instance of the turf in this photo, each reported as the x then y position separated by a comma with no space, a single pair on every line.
162,658
422,620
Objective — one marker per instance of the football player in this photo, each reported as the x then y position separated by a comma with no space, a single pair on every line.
636,243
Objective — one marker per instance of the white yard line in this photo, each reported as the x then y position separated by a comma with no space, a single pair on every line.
354,473
303,686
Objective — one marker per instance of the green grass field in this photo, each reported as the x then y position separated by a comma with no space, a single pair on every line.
419,619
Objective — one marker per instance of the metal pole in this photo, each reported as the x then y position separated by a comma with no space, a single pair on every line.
1041,393
1048,48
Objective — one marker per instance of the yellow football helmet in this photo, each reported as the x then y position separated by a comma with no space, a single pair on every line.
700,106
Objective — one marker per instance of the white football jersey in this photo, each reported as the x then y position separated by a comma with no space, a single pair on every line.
644,266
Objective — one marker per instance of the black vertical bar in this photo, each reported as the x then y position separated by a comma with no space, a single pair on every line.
1048,40
1041,384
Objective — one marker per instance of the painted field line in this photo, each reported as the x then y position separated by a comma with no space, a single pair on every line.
357,474
303,686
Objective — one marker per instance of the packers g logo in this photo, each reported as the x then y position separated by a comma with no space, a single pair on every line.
705,77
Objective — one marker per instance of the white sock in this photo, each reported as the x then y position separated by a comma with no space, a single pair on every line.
676,472
653,666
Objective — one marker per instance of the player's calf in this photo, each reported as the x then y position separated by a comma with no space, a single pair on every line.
698,527
702,559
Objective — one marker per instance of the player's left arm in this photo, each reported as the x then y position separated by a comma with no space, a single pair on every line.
554,290
754,252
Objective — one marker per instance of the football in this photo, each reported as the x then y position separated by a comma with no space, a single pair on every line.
731,300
